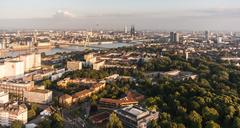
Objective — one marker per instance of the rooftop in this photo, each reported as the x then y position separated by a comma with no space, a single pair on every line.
134,110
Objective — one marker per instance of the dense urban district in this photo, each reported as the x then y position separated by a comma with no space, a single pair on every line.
164,80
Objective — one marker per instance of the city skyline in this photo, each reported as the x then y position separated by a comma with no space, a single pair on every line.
106,14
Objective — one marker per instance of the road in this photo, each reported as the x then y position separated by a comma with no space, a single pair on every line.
71,121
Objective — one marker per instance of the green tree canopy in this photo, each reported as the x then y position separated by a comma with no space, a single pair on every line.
212,124
114,121
17,124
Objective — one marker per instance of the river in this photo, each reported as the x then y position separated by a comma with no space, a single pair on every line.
66,49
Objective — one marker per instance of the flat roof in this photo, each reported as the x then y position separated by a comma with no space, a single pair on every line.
134,111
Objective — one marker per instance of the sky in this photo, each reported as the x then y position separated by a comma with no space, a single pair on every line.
115,14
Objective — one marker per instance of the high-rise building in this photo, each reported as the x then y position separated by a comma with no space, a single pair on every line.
125,30
206,35
174,37
14,69
171,37
31,61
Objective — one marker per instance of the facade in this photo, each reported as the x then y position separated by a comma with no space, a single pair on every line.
136,117
38,96
63,83
132,98
90,59
28,61
175,75
4,97
2,70
31,61
79,96
98,65
174,37
74,65
219,40
14,69
13,112
16,87
57,74
115,103
37,60
206,35
65,100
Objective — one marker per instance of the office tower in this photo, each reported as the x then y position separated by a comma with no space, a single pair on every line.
125,30
132,31
171,37
206,35
174,37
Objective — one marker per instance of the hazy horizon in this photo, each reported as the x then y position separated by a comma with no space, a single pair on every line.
112,14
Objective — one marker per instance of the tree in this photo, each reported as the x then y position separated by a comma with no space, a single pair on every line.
195,119
17,124
236,122
47,83
210,113
153,124
114,122
57,120
212,124
44,124
31,114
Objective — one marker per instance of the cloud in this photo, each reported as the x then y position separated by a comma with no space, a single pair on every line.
209,19
219,12
60,14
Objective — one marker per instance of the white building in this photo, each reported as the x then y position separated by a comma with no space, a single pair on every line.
31,61
16,87
219,40
14,69
4,97
10,112
2,70
58,74
13,112
98,65
90,59
74,65
37,60
38,96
